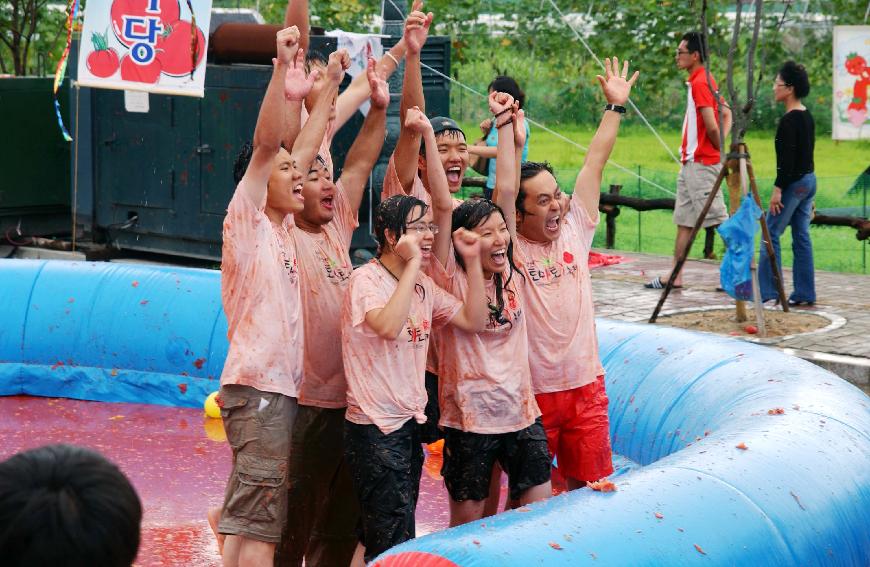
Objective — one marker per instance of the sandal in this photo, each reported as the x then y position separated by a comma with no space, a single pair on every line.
793,303
657,283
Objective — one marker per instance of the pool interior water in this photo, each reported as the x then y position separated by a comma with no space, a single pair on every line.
178,461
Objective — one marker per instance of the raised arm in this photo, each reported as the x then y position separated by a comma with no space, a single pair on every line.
616,87
504,110
408,145
366,148
308,143
296,88
267,133
389,321
297,15
475,311
359,89
442,202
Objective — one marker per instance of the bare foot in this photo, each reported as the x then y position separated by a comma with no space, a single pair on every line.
214,516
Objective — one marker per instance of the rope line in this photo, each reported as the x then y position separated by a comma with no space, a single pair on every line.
630,102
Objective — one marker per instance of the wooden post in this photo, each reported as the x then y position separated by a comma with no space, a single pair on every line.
709,242
733,205
743,158
684,253
611,212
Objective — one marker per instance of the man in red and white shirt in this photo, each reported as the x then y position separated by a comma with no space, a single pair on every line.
699,151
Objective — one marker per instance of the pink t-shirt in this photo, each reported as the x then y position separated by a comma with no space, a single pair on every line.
563,348
484,381
385,383
260,292
325,269
392,186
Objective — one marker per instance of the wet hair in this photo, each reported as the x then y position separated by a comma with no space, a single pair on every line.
392,215
316,57
243,160
528,170
795,75
449,133
66,505
694,44
470,214
507,84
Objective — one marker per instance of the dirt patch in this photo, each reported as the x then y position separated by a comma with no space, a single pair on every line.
724,322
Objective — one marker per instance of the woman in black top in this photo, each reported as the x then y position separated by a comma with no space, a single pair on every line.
792,200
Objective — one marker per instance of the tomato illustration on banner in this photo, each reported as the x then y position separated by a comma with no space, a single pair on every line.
851,82
154,45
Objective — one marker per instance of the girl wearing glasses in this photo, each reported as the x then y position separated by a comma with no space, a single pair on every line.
488,408
389,312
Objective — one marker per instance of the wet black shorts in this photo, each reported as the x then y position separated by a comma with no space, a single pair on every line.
386,477
469,457
429,431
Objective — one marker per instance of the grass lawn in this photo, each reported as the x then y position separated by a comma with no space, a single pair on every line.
837,166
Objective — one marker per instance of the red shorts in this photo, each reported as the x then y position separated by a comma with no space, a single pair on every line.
578,431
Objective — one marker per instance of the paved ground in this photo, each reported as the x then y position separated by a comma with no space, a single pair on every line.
619,294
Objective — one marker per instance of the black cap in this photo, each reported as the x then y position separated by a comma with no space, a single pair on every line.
444,124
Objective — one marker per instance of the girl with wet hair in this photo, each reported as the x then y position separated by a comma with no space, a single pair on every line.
488,410
389,312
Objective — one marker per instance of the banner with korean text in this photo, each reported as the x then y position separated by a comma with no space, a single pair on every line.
156,46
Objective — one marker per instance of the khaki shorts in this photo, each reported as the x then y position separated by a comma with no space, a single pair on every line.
694,184
258,426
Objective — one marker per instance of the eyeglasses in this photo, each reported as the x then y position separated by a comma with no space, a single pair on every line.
420,228
779,84
679,52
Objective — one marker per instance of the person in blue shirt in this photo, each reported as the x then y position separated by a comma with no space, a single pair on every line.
486,146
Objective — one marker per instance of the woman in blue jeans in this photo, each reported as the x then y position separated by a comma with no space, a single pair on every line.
792,200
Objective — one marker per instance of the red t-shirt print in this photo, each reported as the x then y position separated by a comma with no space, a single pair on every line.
696,145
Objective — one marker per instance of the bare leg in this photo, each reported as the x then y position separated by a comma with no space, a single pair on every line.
214,517
535,493
358,559
683,234
230,554
253,553
465,511
491,506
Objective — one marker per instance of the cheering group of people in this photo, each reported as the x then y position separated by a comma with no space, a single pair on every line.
473,323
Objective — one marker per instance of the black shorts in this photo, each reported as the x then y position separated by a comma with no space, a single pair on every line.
469,457
385,470
429,431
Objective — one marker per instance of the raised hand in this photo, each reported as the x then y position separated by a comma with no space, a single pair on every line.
380,97
416,121
520,129
408,246
486,126
296,84
339,62
616,86
498,103
417,28
287,40
467,243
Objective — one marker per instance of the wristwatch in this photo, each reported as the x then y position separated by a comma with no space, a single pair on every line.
614,108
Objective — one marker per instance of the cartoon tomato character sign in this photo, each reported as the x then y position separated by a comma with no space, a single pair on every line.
174,48
103,60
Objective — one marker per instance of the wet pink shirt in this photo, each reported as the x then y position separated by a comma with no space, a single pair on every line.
563,348
392,186
325,268
484,381
385,377
260,292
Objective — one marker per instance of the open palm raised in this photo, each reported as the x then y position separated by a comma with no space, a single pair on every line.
616,86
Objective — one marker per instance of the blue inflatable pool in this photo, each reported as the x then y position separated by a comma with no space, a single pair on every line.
747,456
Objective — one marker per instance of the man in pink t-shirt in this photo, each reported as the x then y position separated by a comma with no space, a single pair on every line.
322,526
553,235
699,151
260,291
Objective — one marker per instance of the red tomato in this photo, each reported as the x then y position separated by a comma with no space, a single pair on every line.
855,64
751,329
103,60
132,71
568,257
173,48
168,11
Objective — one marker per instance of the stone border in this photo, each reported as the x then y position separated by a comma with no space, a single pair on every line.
836,321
